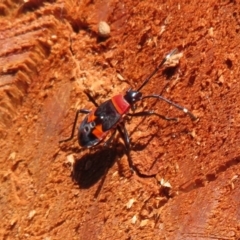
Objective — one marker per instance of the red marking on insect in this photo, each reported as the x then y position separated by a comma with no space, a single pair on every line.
121,104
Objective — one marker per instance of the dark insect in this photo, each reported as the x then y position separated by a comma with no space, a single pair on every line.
109,116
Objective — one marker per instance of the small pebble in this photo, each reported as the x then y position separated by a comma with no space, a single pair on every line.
31,214
103,29
134,219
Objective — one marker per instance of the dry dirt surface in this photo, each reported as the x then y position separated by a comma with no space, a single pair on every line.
51,53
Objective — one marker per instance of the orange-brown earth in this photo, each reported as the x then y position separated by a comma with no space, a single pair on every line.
51,52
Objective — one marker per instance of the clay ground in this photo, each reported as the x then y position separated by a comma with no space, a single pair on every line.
51,52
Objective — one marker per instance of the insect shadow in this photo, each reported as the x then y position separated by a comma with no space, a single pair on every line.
93,166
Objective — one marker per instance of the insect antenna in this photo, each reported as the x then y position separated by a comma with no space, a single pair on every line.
183,109
90,97
173,52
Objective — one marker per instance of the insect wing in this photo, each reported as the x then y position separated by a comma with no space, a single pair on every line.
108,115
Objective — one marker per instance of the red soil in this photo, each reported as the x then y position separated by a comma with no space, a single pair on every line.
51,52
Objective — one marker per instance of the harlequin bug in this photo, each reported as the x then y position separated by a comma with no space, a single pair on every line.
109,116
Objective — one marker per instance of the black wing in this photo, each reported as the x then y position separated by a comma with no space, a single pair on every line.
107,115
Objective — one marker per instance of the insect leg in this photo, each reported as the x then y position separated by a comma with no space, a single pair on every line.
185,110
110,138
150,113
124,134
84,111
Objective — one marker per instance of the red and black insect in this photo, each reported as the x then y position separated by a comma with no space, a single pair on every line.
109,116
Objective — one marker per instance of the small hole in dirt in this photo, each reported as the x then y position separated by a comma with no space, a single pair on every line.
3,10
199,183
211,177
169,72
191,80
222,168
78,25
229,63
143,39
30,6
